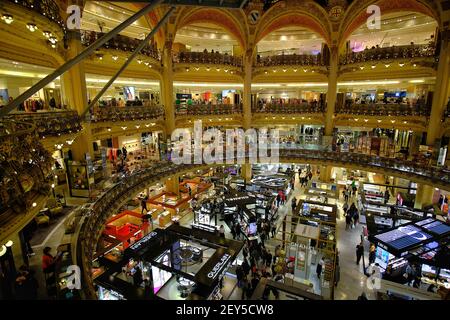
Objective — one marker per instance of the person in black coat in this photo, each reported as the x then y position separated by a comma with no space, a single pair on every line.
359,252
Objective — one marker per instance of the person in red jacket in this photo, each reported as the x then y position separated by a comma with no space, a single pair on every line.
48,261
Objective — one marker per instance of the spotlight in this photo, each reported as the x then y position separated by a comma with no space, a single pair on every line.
7,18
32,27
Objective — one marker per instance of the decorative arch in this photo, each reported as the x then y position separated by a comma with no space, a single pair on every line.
356,14
153,18
295,13
221,18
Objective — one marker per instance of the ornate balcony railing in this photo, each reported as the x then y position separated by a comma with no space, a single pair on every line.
46,8
207,58
51,123
381,109
291,60
120,42
208,109
114,114
25,168
389,53
304,107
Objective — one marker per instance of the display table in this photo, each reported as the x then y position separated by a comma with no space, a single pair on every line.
164,219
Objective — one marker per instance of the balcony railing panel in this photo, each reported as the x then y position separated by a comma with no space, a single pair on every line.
120,42
52,123
306,107
46,8
389,53
208,109
382,109
207,58
290,60
104,114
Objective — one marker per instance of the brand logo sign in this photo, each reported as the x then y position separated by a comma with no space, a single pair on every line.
141,242
219,265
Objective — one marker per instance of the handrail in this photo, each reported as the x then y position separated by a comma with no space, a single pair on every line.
394,109
291,59
104,114
303,107
49,123
394,52
208,109
207,58
46,8
120,42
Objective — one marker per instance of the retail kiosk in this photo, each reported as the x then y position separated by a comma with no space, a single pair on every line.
177,263
424,243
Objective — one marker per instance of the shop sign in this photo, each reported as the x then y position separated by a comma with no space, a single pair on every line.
219,265
144,240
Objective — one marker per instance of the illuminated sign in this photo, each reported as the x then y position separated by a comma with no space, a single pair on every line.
219,265
144,240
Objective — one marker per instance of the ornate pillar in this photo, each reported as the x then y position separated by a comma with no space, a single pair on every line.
424,196
440,94
167,87
332,91
247,98
74,93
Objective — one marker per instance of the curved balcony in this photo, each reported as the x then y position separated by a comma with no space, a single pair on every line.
46,8
291,60
120,42
301,107
114,114
51,123
207,58
389,53
382,109
208,109
26,167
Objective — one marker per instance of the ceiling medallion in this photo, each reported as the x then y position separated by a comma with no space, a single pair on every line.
336,9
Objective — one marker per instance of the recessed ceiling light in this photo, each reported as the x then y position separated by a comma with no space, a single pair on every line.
32,27
7,18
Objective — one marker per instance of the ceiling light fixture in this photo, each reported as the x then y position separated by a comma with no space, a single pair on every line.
47,34
146,63
365,120
295,70
32,27
7,18
373,66
208,69
197,68
139,61
401,64
387,65
53,40
362,67
115,57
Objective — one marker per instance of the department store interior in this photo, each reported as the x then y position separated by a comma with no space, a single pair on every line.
355,205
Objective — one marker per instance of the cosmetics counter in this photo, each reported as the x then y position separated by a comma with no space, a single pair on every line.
424,243
176,263
205,217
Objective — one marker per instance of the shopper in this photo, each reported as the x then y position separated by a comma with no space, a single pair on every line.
363,297
233,231
372,253
386,196
245,267
144,204
137,277
262,236
359,252
348,220
337,274
320,267
274,230
222,231
48,261
268,258
278,200
294,204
